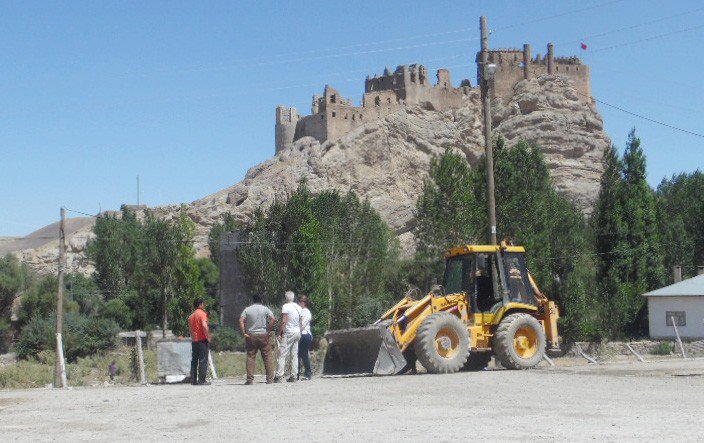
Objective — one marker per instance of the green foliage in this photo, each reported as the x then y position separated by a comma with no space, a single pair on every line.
39,300
681,220
83,335
37,335
117,310
447,214
453,210
14,278
227,224
629,260
664,348
333,248
150,266
227,339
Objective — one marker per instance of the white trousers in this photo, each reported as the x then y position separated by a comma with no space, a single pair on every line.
288,354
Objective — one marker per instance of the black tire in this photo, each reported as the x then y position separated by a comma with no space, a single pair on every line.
506,342
477,361
453,339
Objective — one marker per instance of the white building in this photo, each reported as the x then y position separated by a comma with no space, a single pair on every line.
683,303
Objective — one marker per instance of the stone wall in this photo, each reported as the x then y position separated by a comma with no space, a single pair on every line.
333,116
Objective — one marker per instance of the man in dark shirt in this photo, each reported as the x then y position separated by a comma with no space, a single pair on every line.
200,337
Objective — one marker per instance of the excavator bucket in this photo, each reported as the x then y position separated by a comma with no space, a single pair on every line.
370,350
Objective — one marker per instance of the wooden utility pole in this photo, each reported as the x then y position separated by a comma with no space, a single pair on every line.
60,374
488,151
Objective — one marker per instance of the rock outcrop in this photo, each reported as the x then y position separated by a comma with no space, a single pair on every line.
387,160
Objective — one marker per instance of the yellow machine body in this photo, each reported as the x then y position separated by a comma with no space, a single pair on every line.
512,291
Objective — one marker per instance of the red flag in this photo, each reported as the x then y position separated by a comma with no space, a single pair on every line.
583,45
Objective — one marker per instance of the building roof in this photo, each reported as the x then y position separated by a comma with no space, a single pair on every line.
692,287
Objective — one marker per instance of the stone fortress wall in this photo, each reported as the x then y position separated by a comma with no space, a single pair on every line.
333,116
514,65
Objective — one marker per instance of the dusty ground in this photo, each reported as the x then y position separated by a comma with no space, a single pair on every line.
661,400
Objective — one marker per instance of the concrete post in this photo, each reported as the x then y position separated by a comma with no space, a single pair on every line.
551,59
526,61
677,273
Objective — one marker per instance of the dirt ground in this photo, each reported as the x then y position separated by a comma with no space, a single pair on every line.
661,400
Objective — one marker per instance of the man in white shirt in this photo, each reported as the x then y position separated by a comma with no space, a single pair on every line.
288,338
306,337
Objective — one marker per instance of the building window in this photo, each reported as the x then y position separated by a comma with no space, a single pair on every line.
377,100
679,316
333,98
333,113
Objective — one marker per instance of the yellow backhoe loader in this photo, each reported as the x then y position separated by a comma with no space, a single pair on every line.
488,304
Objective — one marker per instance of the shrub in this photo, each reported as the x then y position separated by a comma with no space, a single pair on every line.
117,310
664,348
83,336
36,336
227,339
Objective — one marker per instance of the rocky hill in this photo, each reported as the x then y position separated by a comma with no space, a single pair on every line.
386,161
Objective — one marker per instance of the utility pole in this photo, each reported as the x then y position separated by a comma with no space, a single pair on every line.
60,374
485,78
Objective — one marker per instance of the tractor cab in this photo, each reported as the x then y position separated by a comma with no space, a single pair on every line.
491,276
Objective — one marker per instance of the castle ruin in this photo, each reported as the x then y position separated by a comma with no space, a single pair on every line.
333,116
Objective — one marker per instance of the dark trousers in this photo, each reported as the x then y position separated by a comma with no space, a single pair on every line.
303,351
262,344
199,361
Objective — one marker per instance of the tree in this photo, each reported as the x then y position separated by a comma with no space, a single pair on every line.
453,210
554,232
226,224
629,257
446,213
157,276
15,278
681,221
335,249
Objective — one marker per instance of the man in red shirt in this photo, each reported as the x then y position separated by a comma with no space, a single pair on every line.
200,337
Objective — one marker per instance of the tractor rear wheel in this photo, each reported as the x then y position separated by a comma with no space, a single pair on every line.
442,343
519,342
477,361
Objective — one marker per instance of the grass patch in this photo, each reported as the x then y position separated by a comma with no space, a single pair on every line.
664,348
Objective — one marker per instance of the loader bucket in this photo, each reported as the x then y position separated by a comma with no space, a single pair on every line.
370,350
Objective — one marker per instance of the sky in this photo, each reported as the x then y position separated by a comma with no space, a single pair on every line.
183,94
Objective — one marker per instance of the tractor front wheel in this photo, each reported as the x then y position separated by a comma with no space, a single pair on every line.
519,342
442,343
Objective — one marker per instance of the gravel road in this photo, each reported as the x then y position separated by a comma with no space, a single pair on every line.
613,402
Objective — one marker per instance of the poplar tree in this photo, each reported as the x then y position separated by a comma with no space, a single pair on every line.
627,241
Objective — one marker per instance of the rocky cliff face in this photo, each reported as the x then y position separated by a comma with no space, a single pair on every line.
387,160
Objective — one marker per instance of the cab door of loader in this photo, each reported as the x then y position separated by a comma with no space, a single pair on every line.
516,272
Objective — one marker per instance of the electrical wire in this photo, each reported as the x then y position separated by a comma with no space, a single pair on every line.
647,39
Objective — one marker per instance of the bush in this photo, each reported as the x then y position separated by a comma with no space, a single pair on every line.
664,348
83,336
227,339
36,336
117,310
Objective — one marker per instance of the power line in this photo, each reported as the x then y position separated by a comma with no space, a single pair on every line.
652,120
638,25
647,39
562,14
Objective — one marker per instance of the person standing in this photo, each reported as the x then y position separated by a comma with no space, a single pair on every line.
288,338
256,323
306,337
200,337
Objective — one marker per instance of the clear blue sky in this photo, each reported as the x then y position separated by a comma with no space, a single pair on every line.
183,93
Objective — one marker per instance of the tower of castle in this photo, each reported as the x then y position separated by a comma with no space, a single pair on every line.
285,127
514,65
